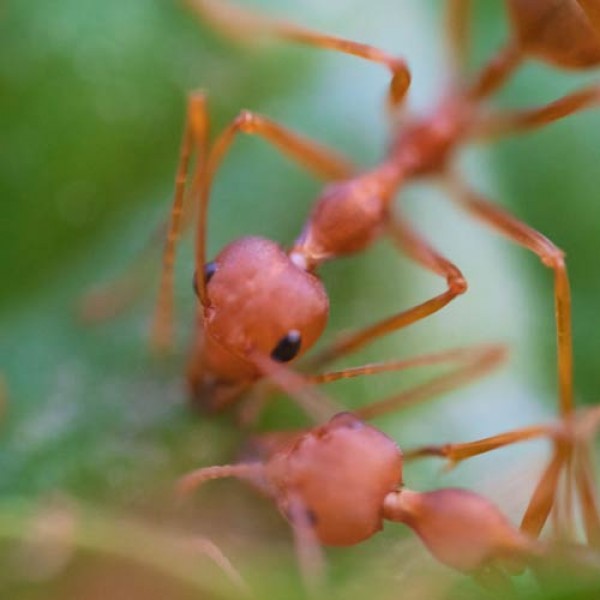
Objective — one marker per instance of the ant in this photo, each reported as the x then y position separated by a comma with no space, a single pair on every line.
261,306
337,483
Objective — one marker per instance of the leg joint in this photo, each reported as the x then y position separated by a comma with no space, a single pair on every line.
555,259
247,121
457,284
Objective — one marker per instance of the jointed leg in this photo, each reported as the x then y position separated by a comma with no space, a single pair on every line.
239,23
584,478
542,500
551,256
499,123
308,549
419,250
195,137
481,361
472,363
315,404
322,161
458,16
456,453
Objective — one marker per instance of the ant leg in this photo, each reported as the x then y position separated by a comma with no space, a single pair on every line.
506,123
496,72
456,453
109,299
195,134
421,252
481,362
316,405
251,471
473,363
313,156
238,23
307,546
204,546
551,256
584,479
542,500
458,13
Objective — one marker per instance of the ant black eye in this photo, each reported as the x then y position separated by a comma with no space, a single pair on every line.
209,270
288,347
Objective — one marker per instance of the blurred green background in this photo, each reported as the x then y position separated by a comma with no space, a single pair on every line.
91,110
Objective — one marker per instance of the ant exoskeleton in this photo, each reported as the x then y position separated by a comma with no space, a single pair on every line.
256,299
337,483
261,306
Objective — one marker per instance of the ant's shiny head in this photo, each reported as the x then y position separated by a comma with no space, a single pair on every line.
257,299
340,474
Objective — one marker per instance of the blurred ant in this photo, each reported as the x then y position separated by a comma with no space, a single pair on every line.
337,483
256,299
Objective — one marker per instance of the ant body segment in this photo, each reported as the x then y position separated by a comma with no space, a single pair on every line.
344,478
257,299
337,483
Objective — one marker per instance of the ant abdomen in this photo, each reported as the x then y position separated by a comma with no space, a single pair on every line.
339,474
460,528
555,32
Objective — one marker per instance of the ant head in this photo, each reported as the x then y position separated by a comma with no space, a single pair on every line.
556,32
339,474
258,299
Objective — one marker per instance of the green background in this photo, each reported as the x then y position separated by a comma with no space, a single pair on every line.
91,110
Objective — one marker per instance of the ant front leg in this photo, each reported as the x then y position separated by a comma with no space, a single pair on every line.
419,250
238,23
195,136
550,255
323,162
109,299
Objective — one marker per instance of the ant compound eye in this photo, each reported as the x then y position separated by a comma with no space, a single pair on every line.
209,270
288,347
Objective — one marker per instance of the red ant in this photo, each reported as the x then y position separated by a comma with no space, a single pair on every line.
256,299
336,484
261,306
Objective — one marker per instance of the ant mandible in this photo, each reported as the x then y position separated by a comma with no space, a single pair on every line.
258,301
